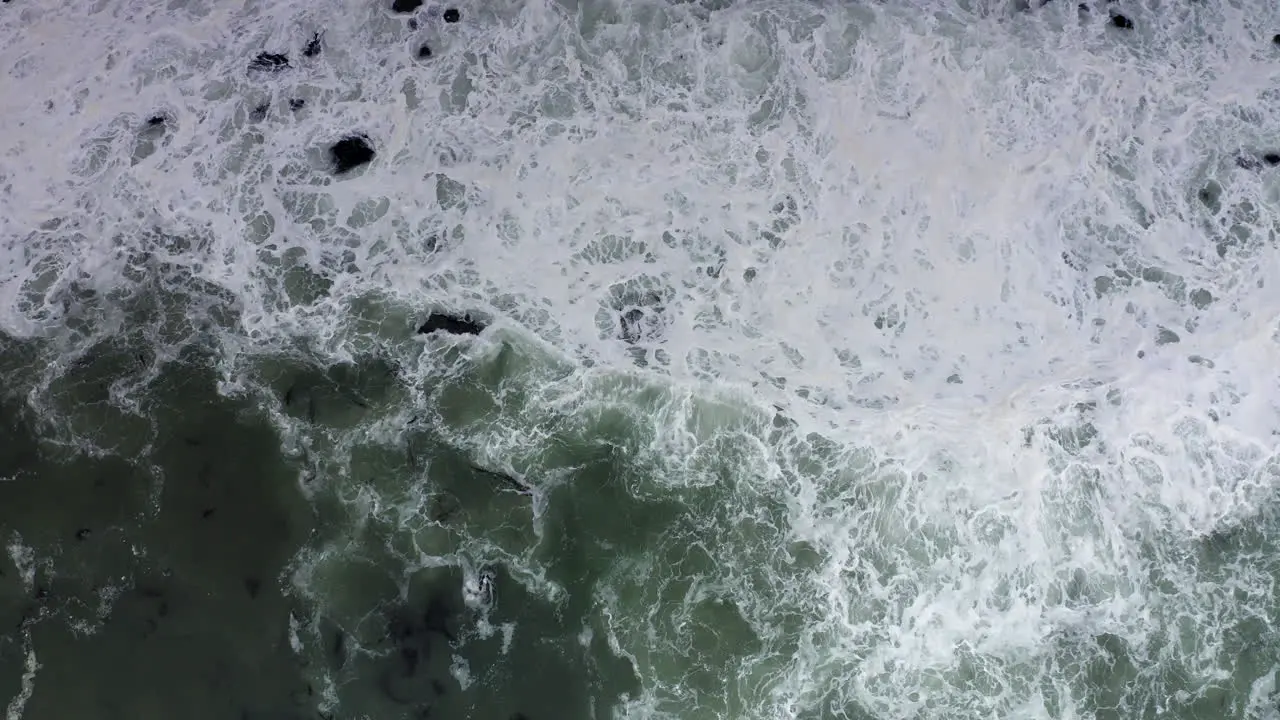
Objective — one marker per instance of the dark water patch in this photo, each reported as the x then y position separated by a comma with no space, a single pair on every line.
137,603
391,634
580,542
313,46
87,397
269,62
19,452
334,640
545,652
420,631
508,481
350,153
460,496
250,540
56,494
540,669
20,363
341,395
450,324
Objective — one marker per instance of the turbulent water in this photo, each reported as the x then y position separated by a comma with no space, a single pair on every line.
843,360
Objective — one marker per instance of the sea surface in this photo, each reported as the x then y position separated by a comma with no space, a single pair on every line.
856,360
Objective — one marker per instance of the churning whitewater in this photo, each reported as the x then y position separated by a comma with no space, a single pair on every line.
808,360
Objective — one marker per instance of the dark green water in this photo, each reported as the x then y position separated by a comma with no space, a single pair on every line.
155,585
151,575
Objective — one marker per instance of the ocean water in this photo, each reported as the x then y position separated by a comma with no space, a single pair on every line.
847,360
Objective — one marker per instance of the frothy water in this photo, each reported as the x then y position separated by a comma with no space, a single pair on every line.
861,360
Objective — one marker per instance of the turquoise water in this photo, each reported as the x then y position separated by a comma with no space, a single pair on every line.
843,360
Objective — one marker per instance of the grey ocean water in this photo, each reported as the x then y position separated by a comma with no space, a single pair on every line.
855,360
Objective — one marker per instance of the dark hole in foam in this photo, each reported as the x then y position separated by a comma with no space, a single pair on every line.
269,62
452,324
350,153
312,48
